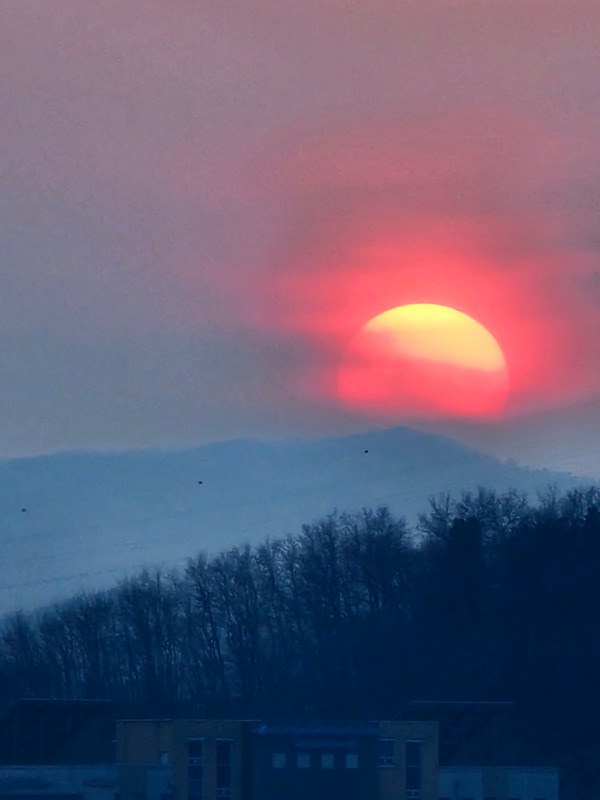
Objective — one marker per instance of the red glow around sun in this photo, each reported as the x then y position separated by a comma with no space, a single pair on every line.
364,265
424,360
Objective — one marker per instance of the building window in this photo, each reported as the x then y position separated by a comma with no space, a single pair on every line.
386,753
195,769
351,761
327,761
224,748
279,761
303,760
164,758
195,749
413,769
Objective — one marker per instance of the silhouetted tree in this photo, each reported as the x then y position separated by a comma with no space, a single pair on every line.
490,597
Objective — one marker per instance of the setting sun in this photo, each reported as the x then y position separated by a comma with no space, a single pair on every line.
424,360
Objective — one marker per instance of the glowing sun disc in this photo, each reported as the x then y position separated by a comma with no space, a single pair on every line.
425,360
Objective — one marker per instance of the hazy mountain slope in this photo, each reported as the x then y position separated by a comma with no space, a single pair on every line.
562,438
91,518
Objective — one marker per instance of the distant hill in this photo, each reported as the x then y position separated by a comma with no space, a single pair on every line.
76,521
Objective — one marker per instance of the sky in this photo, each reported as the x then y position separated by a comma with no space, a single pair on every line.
202,203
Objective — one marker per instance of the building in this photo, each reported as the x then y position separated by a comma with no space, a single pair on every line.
255,760
82,750
483,753
179,758
408,759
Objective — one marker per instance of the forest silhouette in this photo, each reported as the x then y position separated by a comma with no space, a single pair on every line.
489,597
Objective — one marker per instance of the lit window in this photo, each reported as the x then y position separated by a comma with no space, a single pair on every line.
303,760
351,761
327,761
279,761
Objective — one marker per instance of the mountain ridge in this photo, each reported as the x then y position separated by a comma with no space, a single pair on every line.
77,521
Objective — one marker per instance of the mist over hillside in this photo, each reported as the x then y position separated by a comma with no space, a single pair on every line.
80,521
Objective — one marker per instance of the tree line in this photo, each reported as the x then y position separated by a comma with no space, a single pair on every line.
488,597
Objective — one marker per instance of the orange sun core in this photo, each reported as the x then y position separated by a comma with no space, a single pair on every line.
424,360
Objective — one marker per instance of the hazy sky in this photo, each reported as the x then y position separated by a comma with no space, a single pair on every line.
202,201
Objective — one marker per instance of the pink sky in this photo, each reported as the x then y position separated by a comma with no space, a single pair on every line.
201,202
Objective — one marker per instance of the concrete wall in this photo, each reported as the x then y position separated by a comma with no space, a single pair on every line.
457,783
500,783
93,782
530,783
